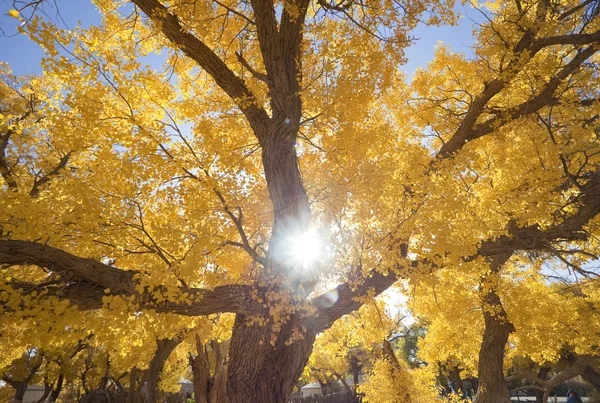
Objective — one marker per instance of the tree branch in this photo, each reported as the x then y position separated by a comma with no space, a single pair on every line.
345,298
35,191
5,170
197,50
468,130
89,281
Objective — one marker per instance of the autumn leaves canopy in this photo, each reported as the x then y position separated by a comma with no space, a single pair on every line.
139,193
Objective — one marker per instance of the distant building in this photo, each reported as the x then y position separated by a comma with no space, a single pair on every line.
312,389
33,393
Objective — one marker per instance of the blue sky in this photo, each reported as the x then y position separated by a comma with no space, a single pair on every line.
24,55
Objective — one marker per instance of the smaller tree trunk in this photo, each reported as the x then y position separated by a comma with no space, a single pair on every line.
47,389
388,352
456,380
20,391
592,377
21,387
133,395
343,381
218,388
355,367
56,392
201,372
539,395
164,348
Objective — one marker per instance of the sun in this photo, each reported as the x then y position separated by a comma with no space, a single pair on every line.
306,248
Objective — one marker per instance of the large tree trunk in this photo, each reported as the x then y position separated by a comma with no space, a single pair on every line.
291,212
263,364
259,371
492,388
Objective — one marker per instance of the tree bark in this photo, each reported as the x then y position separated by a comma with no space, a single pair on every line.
21,386
152,376
20,391
291,212
355,368
133,394
388,352
592,377
218,389
259,371
47,390
200,372
576,368
345,384
56,391
539,395
497,328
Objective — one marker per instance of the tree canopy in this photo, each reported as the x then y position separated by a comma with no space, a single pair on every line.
281,168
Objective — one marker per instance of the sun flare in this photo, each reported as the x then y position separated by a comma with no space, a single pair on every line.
306,248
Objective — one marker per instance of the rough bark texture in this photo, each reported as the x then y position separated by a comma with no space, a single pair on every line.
89,279
209,388
289,199
592,377
497,328
200,372
218,389
164,348
259,371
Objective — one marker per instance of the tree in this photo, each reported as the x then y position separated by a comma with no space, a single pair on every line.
279,122
554,336
348,344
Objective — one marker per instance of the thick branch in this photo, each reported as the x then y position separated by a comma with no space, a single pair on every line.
544,98
575,369
5,170
591,376
89,281
62,164
468,130
266,29
197,50
291,39
345,299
